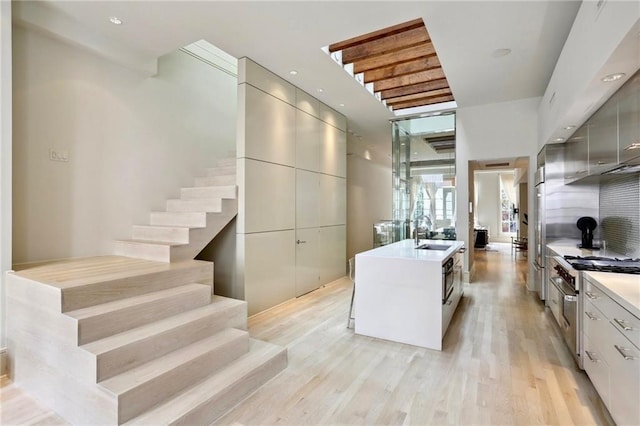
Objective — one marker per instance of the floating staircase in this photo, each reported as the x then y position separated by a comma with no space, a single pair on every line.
190,222
124,339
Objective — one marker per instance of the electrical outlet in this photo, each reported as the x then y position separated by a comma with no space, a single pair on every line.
56,155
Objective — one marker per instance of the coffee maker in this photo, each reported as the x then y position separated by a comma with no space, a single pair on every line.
586,225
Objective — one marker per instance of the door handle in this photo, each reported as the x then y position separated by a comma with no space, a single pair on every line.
300,242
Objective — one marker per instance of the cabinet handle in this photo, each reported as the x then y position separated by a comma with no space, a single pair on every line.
591,316
591,295
622,325
449,302
624,355
591,357
300,242
554,301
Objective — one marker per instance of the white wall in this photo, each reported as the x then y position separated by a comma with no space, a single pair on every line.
369,199
5,164
501,130
132,142
488,207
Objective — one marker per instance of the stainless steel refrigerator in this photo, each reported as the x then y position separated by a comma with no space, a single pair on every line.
539,235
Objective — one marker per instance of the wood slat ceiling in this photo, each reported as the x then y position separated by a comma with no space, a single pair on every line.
401,62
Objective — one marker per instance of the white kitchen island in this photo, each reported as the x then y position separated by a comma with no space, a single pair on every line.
399,292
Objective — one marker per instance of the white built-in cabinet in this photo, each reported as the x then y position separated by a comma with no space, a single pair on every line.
292,188
611,341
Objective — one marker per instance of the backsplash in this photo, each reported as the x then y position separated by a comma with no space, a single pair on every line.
620,213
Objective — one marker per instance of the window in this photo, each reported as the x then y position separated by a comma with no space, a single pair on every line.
508,221
444,203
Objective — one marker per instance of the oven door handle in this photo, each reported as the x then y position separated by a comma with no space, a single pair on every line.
570,298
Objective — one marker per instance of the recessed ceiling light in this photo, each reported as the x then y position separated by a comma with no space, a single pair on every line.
293,72
613,77
415,153
115,20
558,139
341,105
320,90
498,53
570,127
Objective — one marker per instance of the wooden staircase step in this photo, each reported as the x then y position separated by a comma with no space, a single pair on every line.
159,251
123,351
142,387
184,219
172,234
213,205
219,191
119,282
229,179
221,170
110,318
208,400
226,162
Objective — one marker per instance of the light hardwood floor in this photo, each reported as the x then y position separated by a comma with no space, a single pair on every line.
503,363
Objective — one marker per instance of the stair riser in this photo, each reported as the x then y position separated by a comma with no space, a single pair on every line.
152,392
190,220
108,324
116,289
226,162
144,350
141,250
216,180
159,233
232,395
203,205
227,191
218,171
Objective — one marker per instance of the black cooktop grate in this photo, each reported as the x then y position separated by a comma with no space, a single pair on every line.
604,264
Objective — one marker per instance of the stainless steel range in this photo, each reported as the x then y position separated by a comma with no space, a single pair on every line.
565,286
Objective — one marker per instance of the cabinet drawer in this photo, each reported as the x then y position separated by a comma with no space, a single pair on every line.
555,302
597,369
623,320
595,324
624,369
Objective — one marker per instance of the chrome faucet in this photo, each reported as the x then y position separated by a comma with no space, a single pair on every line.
416,231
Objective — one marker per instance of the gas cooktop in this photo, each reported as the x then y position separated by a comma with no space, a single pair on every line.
604,264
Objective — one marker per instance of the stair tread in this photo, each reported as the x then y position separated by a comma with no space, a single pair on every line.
210,388
135,377
116,305
151,242
80,272
121,339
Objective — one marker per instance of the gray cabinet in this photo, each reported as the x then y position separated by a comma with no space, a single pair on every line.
577,155
603,138
628,100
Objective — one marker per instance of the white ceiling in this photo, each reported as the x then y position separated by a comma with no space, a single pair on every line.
283,36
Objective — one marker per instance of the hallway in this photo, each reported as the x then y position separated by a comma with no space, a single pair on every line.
503,363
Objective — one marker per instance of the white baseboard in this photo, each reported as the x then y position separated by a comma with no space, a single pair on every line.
467,276
3,361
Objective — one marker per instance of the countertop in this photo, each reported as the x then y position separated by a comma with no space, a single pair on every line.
406,249
623,288
570,248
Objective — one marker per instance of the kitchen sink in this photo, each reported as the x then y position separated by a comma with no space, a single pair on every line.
440,247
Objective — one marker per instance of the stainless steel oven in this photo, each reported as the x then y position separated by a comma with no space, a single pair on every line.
566,281
447,280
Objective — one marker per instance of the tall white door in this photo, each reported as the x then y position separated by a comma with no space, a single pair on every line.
307,260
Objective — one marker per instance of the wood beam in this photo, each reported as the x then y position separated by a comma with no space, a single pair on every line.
384,45
426,101
397,70
391,58
416,88
408,80
376,35
415,96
